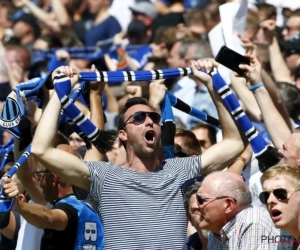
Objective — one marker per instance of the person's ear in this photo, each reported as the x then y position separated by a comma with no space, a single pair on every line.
122,135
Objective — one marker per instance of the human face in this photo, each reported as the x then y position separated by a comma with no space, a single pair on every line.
202,136
285,213
212,211
76,141
174,60
46,180
40,44
95,6
290,151
144,138
20,28
194,212
292,61
292,26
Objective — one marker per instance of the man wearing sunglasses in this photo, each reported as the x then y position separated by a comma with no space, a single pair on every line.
282,197
139,198
225,210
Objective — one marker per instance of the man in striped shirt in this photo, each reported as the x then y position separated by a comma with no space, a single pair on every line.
140,203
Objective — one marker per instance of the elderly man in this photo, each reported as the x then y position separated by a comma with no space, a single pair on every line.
225,210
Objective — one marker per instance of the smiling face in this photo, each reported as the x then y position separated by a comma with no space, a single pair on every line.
285,213
143,139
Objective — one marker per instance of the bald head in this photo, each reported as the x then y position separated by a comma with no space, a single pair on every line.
69,149
228,184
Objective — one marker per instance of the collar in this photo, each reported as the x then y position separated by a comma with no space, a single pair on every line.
224,235
66,196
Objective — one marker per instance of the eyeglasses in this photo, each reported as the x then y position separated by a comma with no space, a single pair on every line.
140,117
281,194
201,199
39,175
189,183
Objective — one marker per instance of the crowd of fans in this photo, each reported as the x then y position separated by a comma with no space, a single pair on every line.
211,195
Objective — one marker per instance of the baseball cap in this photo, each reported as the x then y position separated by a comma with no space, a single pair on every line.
144,8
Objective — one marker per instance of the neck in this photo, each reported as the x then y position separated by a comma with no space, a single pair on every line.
139,164
101,15
295,232
64,191
27,39
176,8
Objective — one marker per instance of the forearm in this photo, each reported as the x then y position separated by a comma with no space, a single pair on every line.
247,98
276,97
97,118
61,13
36,215
49,122
279,68
237,167
272,119
112,103
38,12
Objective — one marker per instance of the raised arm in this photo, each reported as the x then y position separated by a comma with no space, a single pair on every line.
225,152
61,13
279,68
272,119
97,116
63,164
35,10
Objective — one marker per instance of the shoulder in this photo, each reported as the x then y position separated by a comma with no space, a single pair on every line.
255,216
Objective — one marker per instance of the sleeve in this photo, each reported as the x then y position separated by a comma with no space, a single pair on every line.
18,225
98,171
192,165
71,212
114,28
4,219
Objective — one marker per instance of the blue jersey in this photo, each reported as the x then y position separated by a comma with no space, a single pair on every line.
90,234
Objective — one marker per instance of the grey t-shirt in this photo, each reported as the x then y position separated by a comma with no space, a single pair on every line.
141,210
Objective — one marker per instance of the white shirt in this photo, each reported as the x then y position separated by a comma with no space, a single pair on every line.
29,236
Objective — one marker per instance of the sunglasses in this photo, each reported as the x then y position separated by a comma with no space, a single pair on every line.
140,117
201,200
281,194
189,183
39,175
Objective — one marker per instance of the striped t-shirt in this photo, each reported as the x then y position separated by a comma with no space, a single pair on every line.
141,211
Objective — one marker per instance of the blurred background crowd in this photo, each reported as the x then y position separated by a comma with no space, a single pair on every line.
38,36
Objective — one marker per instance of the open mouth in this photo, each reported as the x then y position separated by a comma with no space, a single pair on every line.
275,214
150,136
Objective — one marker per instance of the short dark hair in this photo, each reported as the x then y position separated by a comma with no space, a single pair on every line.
191,145
212,132
131,102
188,194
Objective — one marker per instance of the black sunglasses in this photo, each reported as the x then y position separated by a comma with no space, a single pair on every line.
280,193
201,199
189,183
140,117
39,175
